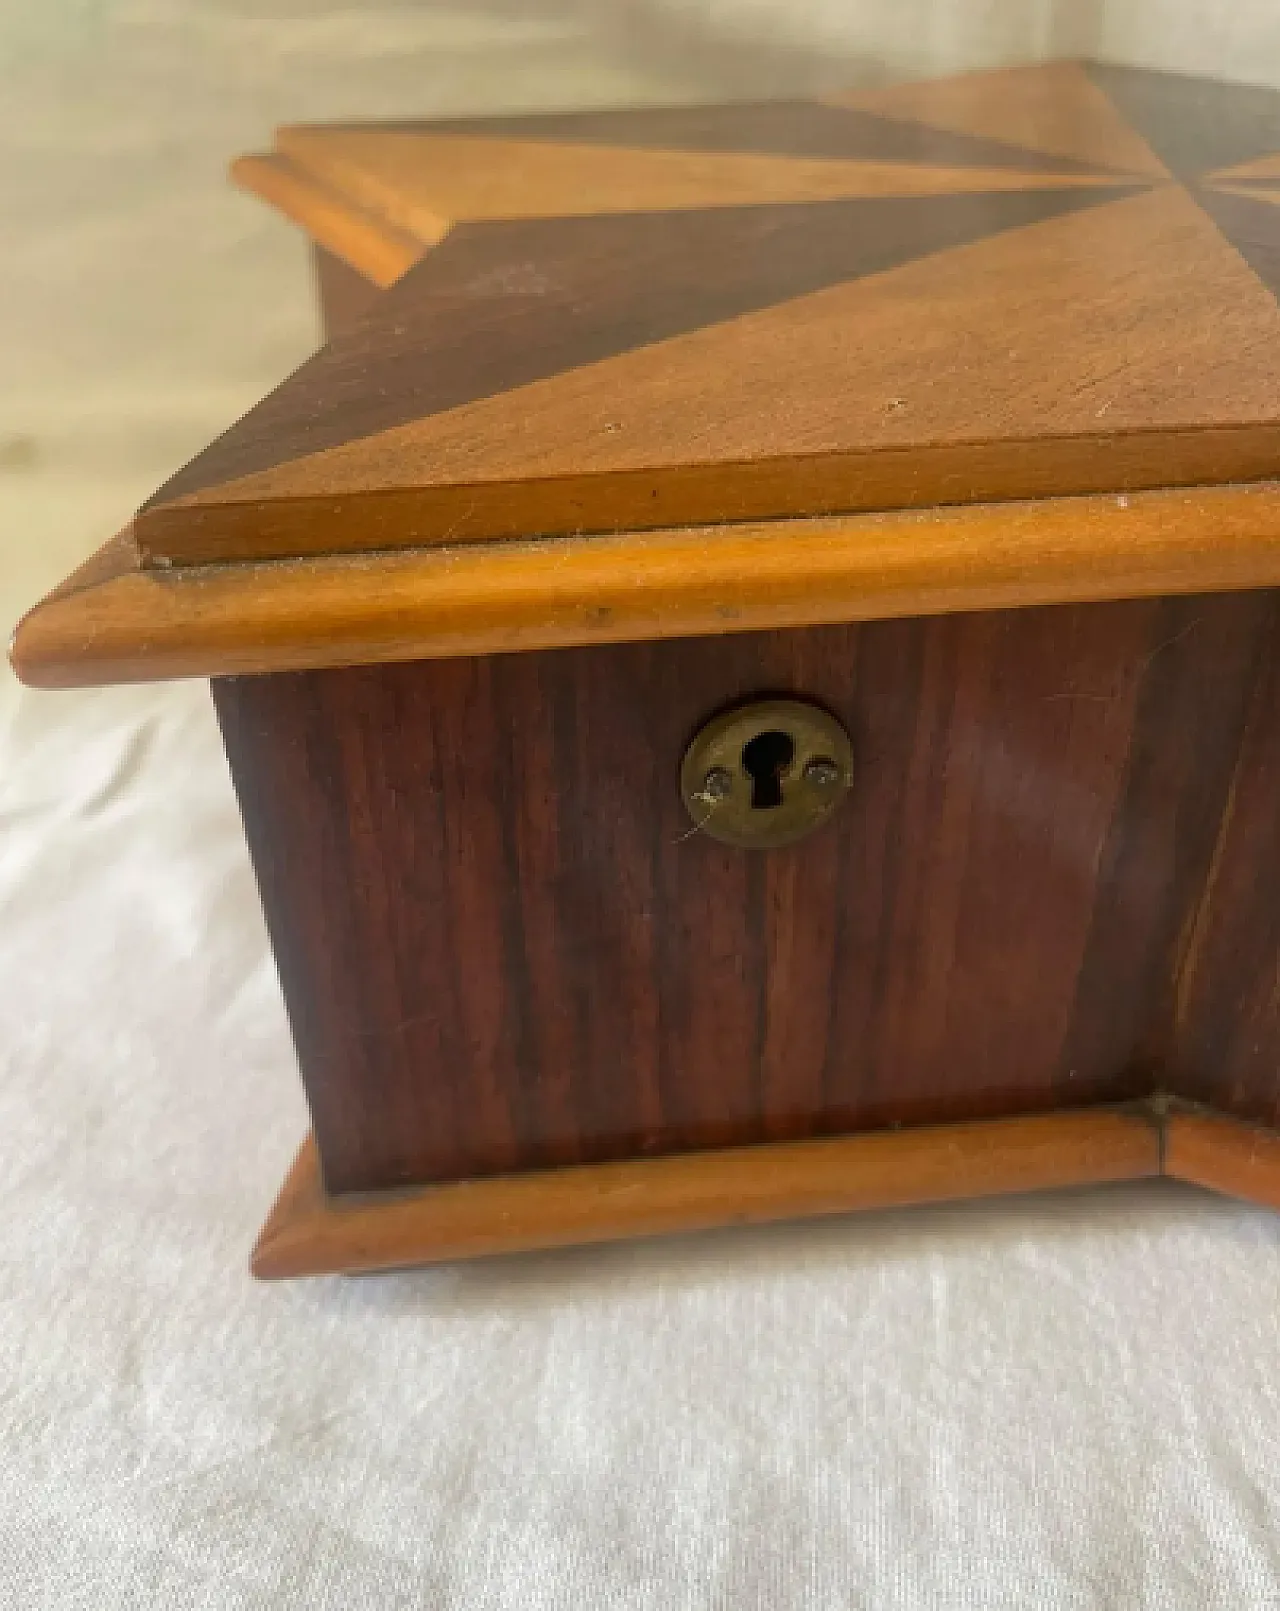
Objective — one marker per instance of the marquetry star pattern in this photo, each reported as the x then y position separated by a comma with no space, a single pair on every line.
1041,254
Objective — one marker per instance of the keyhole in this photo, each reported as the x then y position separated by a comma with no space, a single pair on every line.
765,759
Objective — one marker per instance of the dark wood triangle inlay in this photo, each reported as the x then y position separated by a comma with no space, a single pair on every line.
499,305
776,128
1252,227
1194,125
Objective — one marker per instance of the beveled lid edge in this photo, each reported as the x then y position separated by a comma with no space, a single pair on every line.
115,621
369,244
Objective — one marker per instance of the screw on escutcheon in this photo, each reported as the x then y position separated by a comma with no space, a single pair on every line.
718,783
822,771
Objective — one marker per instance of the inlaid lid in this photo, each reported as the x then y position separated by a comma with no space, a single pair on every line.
922,310
1055,280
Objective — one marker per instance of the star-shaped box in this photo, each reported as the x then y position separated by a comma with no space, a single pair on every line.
664,470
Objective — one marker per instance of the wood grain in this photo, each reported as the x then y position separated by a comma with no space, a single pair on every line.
954,407
376,193
647,319
1194,125
312,524
1213,1150
424,180
1250,223
310,1233
607,444
797,129
498,306
135,625
346,183
1226,1043
1053,107
368,244
1201,311
503,948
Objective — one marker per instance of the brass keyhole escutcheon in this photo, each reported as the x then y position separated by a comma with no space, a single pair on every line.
767,773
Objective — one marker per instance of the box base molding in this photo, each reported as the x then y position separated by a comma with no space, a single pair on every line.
310,1232
1222,1154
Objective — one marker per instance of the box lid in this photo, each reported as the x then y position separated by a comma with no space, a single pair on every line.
911,310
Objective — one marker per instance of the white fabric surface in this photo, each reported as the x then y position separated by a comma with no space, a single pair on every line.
1068,1402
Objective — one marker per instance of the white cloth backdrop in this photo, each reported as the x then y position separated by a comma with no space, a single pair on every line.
1069,1402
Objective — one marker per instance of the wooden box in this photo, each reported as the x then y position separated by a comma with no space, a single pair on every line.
939,421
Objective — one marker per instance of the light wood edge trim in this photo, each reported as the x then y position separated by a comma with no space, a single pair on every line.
313,148
481,598
309,1233
371,246
1223,1154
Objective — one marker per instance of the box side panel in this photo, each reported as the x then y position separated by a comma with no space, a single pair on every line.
1226,1050
503,945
